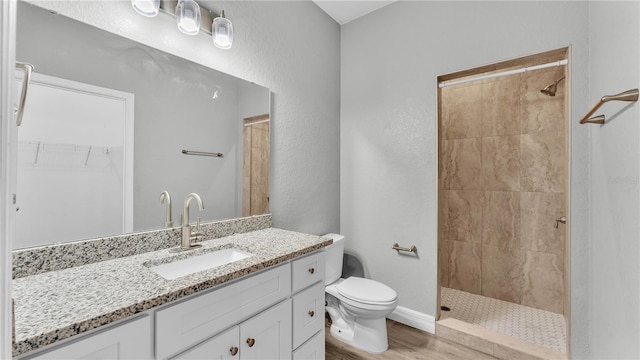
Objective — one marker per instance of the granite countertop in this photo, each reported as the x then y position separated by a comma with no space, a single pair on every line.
58,304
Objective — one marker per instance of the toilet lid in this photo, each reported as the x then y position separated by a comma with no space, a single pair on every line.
366,290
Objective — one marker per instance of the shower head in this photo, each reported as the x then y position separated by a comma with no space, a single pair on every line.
550,90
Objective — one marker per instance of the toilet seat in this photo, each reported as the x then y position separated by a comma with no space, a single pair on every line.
366,291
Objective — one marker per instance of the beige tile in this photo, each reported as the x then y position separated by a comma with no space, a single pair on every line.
458,333
501,219
461,112
538,212
443,253
542,162
461,164
464,266
501,163
543,286
539,112
502,273
462,215
501,106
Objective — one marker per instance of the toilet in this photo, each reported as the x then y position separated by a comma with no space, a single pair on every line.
357,306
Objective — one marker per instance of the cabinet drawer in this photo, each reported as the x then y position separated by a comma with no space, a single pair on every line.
130,340
312,349
307,270
222,347
308,313
182,325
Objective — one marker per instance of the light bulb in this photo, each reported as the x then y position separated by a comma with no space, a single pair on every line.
148,8
222,32
188,17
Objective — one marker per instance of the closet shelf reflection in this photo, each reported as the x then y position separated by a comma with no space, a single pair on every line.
40,153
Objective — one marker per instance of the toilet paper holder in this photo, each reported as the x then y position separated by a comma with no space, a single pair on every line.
412,249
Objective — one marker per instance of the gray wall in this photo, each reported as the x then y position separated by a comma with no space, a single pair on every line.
614,254
291,48
390,61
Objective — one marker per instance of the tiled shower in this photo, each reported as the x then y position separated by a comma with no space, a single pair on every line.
502,186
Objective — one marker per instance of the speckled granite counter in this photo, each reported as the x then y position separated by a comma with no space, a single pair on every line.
58,304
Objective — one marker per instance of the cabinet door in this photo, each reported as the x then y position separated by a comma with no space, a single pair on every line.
268,334
312,349
221,347
130,340
308,313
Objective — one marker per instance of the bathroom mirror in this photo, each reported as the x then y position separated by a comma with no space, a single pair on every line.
105,127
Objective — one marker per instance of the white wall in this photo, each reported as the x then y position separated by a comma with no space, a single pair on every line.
291,48
390,61
614,274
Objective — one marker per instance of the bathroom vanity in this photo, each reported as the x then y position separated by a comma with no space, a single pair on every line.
269,305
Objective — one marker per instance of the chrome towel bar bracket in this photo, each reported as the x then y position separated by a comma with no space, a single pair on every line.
412,249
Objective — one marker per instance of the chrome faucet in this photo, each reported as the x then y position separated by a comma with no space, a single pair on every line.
165,197
187,234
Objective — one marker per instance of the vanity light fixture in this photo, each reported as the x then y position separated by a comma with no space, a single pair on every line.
148,8
222,32
188,17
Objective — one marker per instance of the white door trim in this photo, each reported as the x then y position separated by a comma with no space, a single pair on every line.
7,167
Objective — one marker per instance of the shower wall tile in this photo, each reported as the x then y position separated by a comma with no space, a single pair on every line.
501,163
462,215
501,107
501,219
502,273
464,266
542,162
461,117
539,112
543,286
537,222
502,168
443,259
461,164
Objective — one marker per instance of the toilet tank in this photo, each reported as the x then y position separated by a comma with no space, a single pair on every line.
334,258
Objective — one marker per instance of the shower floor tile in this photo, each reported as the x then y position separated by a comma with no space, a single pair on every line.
535,326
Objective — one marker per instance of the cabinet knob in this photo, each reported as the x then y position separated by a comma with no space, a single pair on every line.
311,313
312,270
251,341
233,351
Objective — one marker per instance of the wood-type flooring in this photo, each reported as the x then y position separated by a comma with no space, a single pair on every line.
404,343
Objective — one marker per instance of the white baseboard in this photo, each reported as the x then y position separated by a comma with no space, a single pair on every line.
414,319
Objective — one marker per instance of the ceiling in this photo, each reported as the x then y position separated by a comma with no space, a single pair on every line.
343,11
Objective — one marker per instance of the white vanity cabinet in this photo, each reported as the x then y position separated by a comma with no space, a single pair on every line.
277,313
308,306
181,326
293,326
128,340
264,336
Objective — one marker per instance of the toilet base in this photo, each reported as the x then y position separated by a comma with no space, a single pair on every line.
369,335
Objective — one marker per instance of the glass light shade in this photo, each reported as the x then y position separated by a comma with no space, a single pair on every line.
222,32
188,17
148,8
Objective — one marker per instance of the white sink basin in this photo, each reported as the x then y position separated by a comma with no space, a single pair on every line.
194,264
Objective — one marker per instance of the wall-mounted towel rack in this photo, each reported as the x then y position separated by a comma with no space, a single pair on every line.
412,249
629,95
201,153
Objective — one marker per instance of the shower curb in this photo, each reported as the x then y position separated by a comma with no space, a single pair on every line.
492,343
